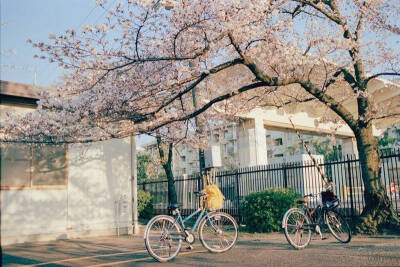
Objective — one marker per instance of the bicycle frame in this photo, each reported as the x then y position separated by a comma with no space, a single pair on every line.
181,221
308,220
319,218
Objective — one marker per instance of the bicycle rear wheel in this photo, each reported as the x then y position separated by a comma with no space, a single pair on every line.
338,226
218,232
163,238
296,228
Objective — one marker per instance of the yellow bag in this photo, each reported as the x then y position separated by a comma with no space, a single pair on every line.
215,198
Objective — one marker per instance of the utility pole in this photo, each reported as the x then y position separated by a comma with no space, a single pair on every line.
135,224
199,128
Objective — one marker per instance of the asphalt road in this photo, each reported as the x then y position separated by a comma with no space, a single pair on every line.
251,250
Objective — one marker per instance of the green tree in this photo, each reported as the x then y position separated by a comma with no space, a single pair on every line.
387,142
329,151
144,161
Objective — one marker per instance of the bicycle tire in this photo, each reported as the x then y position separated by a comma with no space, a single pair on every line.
338,226
218,232
293,222
166,238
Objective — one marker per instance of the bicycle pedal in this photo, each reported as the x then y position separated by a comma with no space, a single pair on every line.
190,247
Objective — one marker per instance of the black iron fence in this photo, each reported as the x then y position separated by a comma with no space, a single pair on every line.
303,177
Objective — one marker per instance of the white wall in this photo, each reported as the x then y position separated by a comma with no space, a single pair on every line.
98,176
97,179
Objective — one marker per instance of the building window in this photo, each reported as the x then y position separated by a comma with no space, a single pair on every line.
278,141
216,137
25,166
228,134
278,155
230,149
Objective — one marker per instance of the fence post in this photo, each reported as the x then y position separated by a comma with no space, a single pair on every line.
284,175
199,179
351,185
237,194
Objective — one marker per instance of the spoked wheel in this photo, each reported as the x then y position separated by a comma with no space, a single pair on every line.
297,228
338,226
163,238
218,232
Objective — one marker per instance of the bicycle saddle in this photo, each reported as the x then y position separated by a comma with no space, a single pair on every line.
174,205
301,200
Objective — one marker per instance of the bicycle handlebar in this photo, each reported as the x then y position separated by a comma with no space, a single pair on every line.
329,188
312,195
199,193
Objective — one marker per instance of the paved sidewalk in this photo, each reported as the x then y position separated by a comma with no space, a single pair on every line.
251,250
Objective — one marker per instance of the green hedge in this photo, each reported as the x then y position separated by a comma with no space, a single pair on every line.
263,211
145,206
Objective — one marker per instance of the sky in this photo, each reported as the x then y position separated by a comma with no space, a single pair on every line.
36,19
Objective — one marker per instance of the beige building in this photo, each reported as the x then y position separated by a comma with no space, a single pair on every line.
58,192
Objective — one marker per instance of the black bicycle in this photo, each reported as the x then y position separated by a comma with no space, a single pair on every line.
300,223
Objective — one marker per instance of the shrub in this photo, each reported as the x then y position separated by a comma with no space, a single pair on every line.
145,206
263,211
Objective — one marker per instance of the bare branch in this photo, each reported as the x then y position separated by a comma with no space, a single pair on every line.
209,104
386,116
138,33
381,74
202,76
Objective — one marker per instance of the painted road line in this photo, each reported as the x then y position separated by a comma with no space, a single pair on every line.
140,259
89,257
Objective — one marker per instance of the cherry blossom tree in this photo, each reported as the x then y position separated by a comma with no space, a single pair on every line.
136,72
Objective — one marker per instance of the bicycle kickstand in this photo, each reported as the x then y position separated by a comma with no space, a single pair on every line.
318,230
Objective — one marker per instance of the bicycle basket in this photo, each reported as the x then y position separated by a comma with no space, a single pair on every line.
215,198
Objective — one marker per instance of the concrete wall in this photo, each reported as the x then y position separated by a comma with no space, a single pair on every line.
252,147
98,179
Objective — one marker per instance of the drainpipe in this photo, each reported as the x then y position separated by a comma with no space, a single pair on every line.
135,225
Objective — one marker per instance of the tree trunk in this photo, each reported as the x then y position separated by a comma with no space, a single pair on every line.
378,209
166,161
172,198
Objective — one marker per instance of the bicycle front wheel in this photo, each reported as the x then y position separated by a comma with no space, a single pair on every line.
296,226
338,226
218,232
163,238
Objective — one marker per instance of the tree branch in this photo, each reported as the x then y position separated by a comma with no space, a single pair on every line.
381,74
386,116
208,105
258,73
201,78
138,33
334,105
